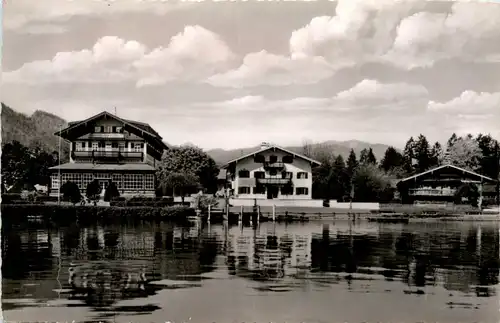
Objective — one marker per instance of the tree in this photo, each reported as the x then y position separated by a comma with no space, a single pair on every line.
409,156
367,157
470,192
111,192
182,183
94,190
371,185
422,154
189,160
71,192
437,155
321,177
15,160
489,162
464,153
351,166
392,159
339,179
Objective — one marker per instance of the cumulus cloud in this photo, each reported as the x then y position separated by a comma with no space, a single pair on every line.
469,102
470,32
264,68
191,54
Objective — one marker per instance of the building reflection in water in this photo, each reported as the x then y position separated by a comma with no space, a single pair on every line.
108,260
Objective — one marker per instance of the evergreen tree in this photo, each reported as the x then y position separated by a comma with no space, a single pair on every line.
352,163
111,192
367,157
339,180
93,190
71,192
422,154
436,154
409,156
489,160
392,160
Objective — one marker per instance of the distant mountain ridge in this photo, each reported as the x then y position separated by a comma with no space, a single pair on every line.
343,148
32,131
39,128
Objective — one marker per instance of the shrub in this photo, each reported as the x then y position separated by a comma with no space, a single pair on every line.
93,190
111,192
203,201
71,192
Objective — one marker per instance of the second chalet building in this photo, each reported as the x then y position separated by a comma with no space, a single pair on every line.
106,147
271,173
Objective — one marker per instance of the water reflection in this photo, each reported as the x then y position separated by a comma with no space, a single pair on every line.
102,266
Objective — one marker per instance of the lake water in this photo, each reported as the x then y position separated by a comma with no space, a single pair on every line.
314,272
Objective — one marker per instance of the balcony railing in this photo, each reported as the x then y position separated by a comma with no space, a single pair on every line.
268,164
431,192
274,180
114,153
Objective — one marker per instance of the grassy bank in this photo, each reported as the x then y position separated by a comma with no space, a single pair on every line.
21,212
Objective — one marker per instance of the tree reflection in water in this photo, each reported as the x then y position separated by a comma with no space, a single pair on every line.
459,257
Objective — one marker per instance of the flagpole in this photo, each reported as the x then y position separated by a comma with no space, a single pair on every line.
59,169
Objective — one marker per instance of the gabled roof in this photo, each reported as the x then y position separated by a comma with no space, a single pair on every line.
274,147
140,126
448,166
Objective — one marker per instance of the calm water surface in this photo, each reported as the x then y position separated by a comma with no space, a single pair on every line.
316,272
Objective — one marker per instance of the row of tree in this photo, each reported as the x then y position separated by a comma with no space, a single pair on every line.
366,179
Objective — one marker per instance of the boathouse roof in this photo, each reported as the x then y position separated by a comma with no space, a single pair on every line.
465,171
273,147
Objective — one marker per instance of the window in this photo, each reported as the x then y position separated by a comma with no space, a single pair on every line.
97,129
273,159
109,129
117,179
83,144
138,147
259,174
114,145
78,146
259,159
72,177
259,189
273,172
287,190
287,159
149,181
86,179
286,174
55,181
302,175
244,173
121,146
119,129
133,182
114,129
95,145
243,190
101,144
302,191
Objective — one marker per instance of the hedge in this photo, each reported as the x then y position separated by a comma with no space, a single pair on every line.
54,212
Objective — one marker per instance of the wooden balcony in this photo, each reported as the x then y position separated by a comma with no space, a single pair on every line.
275,165
431,192
108,154
274,180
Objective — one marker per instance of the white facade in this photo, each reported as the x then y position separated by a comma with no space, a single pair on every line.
272,173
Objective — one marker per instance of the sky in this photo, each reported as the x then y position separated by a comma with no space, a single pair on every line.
234,74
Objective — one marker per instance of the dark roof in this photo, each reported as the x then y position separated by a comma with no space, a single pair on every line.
273,147
138,125
449,166
105,167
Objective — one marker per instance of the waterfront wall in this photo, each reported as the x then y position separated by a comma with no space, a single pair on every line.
305,203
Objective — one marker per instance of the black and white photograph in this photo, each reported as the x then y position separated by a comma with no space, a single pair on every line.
250,161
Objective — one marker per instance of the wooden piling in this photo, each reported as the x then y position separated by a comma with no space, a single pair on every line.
258,214
209,212
274,213
241,214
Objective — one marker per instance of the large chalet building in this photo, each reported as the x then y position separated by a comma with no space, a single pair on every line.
272,172
108,148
